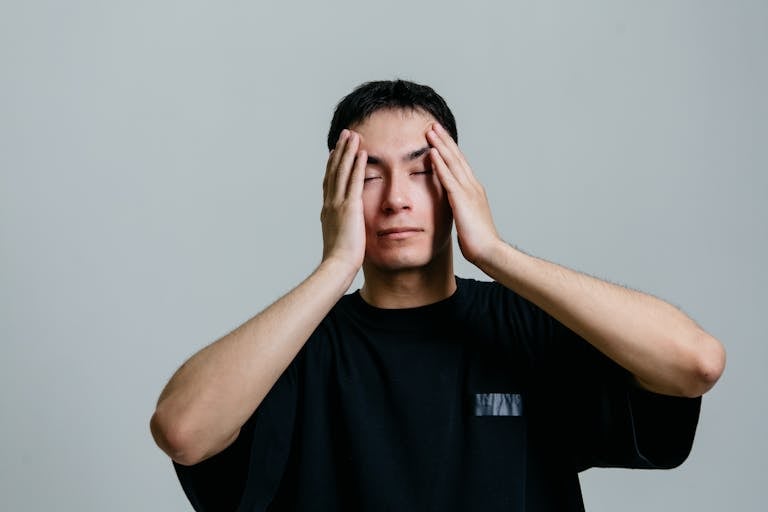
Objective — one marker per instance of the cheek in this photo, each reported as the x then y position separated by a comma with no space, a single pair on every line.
370,205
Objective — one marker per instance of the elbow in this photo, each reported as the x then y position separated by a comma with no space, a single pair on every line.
707,363
174,438
183,440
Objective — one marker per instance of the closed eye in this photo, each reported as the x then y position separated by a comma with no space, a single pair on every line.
424,172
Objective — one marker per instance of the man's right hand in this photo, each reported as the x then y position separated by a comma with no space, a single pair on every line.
342,213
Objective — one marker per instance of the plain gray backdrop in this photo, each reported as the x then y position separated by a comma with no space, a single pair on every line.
160,172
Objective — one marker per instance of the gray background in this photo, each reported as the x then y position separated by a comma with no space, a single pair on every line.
160,171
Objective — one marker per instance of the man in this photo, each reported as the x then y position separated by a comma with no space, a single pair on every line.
424,391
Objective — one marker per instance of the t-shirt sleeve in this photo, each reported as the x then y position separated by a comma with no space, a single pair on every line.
592,407
615,422
246,474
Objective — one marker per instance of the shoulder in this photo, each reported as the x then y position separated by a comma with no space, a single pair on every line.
331,329
478,292
491,297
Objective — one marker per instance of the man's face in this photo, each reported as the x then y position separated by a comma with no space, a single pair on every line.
407,215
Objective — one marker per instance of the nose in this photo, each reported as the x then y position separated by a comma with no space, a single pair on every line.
396,195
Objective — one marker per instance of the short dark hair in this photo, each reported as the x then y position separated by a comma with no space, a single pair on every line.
370,97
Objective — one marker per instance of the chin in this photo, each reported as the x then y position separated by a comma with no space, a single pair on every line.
400,262
406,257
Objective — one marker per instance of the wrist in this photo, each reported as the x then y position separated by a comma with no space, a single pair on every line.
338,269
506,264
493,257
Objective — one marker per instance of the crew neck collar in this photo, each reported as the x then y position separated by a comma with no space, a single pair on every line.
413,318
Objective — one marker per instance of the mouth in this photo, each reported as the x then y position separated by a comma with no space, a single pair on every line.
398,233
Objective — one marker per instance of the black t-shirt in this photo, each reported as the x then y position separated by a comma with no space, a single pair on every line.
481,401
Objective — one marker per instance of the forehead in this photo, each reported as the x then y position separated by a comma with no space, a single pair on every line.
392,132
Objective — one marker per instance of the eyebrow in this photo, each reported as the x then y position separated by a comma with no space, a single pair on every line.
413,155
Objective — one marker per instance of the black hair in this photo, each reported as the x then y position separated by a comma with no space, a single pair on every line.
371,97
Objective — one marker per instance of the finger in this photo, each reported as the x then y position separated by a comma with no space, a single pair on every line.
345,166
450,144
337,151
327,171
455,167
333,163
453,156
357,178
444,174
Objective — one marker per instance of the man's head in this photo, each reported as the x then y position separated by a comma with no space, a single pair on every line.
371,97
406,211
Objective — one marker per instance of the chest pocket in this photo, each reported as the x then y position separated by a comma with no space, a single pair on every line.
496,428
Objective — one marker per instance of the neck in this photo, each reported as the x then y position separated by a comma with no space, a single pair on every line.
412,287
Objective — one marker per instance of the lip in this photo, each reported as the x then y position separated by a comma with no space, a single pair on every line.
398,233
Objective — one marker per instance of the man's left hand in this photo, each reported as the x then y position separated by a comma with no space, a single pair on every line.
471,211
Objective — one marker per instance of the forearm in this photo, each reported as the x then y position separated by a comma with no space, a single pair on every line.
665,350
210,397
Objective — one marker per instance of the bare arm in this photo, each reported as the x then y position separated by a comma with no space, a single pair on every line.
664,349
206,402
